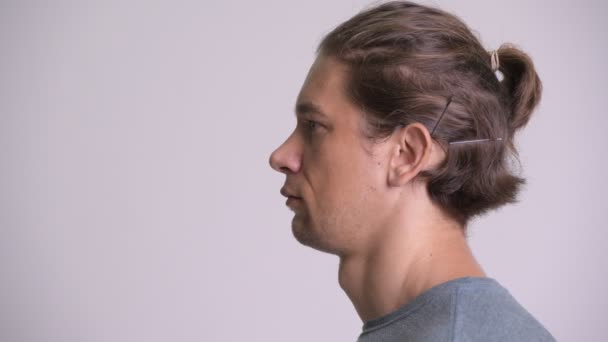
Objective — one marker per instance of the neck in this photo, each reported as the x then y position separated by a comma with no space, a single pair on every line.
407,258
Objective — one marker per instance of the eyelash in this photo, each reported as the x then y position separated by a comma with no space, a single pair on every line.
310,128
311,125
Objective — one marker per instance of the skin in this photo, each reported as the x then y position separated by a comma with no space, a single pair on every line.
361,200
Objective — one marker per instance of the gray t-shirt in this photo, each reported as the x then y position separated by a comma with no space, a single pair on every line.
465,309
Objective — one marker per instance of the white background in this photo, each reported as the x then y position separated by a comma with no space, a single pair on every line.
136,200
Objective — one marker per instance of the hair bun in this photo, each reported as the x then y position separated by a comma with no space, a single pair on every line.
521,82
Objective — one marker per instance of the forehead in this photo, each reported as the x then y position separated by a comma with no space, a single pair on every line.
325,88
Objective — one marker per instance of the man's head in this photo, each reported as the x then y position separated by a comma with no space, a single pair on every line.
383,79
340,183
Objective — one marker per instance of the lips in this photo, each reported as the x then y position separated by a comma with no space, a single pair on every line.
292,199
289,194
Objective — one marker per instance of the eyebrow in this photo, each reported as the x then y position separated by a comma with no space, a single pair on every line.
303,108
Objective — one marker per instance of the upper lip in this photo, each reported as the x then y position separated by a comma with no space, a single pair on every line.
288,193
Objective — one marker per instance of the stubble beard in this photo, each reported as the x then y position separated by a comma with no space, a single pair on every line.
308,234
303,232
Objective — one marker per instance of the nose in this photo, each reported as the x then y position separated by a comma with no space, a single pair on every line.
286,158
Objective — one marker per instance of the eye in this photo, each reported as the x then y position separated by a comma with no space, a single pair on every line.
310,128
312,125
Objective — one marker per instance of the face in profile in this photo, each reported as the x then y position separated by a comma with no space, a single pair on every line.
333,172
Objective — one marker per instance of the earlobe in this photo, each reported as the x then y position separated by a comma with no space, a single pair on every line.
412,149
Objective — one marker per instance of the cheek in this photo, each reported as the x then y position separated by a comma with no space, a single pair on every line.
341,173
329,180
350,178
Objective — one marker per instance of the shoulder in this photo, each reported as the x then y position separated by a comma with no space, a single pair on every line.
486,311
464,309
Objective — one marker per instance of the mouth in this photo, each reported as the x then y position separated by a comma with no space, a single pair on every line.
291,199
293,202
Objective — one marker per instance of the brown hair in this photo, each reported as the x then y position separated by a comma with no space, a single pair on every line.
406,63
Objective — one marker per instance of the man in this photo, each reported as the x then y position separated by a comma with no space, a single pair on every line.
364,196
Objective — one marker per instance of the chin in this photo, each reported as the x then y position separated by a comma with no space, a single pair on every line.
309,236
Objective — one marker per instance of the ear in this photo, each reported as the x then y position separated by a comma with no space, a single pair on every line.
410,154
